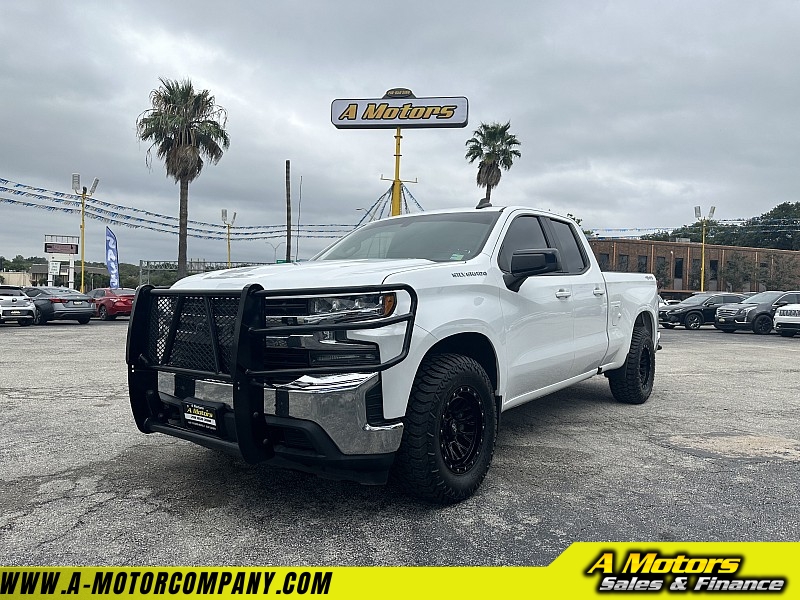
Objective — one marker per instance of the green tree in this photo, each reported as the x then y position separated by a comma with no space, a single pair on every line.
183,126
737,272
495,148
663,278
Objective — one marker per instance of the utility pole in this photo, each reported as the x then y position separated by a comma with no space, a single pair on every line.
288,214
76,187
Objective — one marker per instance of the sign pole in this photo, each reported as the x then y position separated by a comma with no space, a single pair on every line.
396,185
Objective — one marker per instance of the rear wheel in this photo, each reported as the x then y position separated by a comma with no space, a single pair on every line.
762,324
25,323
785,333
693,320
83,321
449,430
632,383
39,318
102,312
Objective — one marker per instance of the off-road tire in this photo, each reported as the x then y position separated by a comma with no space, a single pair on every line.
762,324
632,383
449,431
693,321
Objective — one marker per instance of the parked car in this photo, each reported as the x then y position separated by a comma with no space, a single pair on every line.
15,306
696,310
755,313
787,320
60,304
110,303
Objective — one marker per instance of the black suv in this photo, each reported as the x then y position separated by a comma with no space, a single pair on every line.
755,312
696,310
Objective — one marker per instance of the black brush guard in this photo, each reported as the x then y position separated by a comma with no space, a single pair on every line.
219,335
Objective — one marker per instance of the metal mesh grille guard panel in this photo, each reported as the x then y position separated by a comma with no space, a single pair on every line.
217,333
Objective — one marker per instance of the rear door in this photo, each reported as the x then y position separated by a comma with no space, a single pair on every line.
589,298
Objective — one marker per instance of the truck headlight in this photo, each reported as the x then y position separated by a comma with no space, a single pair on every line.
354,307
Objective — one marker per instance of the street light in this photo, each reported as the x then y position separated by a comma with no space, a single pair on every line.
703,220
228,225
76,187
275,250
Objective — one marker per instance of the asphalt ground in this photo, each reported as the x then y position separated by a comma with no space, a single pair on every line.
714,455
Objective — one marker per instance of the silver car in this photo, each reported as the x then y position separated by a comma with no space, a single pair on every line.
16,306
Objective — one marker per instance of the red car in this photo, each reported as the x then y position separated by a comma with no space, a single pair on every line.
110,303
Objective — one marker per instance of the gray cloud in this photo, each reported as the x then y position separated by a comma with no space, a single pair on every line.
630,113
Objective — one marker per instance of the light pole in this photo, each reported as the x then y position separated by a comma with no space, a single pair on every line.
703,220
368,213
275,250
228,225
76,187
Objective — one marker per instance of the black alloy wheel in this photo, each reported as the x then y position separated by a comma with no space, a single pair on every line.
461,429
762,324
693,320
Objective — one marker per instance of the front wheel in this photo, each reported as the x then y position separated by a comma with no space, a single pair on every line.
693,320
450,430
762,324
632,383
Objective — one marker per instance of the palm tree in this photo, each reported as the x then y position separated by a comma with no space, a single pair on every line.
183,126
495,147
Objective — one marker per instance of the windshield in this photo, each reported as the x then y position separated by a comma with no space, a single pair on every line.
696,299
763,298
440,238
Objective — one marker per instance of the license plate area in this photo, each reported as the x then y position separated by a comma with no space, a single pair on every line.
203,416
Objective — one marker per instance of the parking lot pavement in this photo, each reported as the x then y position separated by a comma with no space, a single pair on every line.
714,455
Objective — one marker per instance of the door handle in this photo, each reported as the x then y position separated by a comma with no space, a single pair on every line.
598,292
563,294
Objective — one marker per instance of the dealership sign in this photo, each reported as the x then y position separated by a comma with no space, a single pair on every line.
399,108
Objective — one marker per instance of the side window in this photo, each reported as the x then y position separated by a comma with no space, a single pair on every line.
714,300
33,293
788,298
732,299
524,233
572,258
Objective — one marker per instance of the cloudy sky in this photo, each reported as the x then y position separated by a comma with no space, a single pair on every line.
630,113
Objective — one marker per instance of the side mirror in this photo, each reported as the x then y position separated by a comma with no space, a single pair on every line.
526,263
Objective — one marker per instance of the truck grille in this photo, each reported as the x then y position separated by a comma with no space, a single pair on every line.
784,312
191,344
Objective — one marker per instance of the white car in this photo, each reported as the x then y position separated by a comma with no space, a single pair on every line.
16,306
787,320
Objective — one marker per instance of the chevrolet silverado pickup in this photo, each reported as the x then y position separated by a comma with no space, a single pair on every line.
394,351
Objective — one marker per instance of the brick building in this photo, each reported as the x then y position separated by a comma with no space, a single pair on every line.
676,265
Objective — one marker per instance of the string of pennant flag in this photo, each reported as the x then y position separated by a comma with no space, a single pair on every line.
116,214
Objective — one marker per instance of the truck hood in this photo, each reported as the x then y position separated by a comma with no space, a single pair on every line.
304,275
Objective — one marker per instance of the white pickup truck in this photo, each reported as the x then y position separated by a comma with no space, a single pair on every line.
395,350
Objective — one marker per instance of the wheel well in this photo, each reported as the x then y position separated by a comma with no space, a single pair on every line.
475,346
643,320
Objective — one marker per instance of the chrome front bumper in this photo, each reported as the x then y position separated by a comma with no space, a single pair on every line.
337,403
